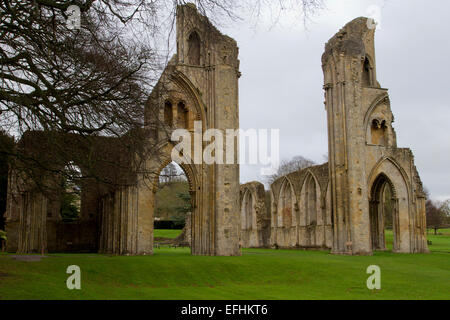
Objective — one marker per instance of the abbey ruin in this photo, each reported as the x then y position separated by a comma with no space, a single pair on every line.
340,205
336,206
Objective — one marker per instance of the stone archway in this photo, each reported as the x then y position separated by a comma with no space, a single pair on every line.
387,174
175,201
255,219
379,210
204,92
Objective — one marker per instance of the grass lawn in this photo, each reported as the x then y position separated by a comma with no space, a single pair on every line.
440,242
168,234
258,274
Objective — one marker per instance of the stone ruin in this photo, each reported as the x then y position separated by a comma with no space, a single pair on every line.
337,206
199,84
340,205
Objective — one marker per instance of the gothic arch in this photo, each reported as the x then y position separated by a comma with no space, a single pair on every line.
310,200
380,166
187,166
194,45
255,225
248,216
384,97
378,123
388,172
368,78
191,93
286,216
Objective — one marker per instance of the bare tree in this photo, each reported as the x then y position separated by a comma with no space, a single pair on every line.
435,216
76,85
289,166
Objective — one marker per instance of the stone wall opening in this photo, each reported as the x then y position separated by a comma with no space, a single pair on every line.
367,73
285,216
183,116
255,218
247,211
379,132
168,113
382,212
173,203
311,198
70,201
194,45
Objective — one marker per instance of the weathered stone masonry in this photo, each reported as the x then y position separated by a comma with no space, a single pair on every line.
340,205
199,84
337,206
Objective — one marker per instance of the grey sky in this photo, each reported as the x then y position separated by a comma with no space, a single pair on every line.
281,86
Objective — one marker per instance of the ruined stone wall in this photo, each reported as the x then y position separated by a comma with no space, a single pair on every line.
119,222
117,211
363,151
33,218
301,213
337,205
255,218
199,84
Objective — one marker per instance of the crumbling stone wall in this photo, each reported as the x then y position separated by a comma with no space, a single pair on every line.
255,218
33,219
337,205
301,212
363,151
199,84
340,205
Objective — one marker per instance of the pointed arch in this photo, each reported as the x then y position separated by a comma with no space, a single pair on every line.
165,158
286,205
247,214
311,196
367,72
191,93
382,98
168,113
387,172
194,48
378,123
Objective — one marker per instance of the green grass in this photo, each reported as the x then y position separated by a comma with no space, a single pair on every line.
169,234
440,242
258,274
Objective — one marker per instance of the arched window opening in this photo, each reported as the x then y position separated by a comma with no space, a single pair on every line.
71,193
182,116
379,132
173,207
367,74
311,199
285,217
168,113
247,211
382,214
194,44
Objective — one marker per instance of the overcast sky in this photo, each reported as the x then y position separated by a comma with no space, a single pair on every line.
281,83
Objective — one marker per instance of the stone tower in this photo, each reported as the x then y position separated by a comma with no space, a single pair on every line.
198,86
198,91
209,60
363,156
